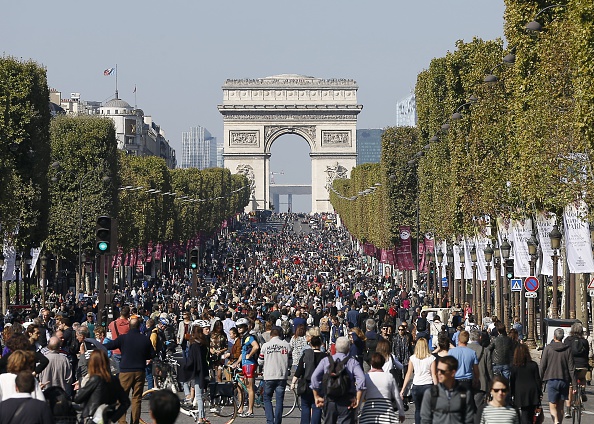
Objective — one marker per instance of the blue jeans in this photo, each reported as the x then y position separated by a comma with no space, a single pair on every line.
502,370
310,413
278,388
150,381
417,395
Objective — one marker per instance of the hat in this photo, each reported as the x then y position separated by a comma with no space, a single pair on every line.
164,321
90,314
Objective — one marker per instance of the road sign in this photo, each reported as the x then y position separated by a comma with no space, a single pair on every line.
530,295
591,284
531,284
444,282
516,285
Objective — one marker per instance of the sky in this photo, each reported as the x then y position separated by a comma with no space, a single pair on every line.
179,53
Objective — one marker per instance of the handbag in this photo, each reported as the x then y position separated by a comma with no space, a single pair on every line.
301,387
538,415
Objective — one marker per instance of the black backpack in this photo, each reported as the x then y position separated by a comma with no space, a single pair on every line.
337,381
370,348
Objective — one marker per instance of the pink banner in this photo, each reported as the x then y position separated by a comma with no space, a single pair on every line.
149,253
426,252
404,260
159,252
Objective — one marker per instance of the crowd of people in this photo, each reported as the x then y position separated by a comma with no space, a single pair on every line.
302,308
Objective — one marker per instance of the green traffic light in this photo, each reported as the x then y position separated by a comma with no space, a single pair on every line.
193,265
102,246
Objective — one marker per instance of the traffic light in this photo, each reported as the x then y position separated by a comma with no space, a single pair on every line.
237,263
509,269
103,234
194,258
230,264
103,318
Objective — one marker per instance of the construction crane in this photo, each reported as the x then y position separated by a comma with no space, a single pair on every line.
272,174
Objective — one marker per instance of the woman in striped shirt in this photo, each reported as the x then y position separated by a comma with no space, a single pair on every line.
497,411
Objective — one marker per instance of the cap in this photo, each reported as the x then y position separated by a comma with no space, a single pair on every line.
90,314
164,321
242,321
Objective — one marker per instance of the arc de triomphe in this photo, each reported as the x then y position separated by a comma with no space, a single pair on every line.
322,111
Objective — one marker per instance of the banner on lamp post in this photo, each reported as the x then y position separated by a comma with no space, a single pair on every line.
544,224
577,239
522,231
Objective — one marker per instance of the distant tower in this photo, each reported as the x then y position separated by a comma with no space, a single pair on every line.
199,149
369,145
406,112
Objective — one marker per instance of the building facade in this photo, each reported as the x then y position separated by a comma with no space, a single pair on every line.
137,134
200,149
406,112
369,145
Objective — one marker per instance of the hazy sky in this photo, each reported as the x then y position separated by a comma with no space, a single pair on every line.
179,53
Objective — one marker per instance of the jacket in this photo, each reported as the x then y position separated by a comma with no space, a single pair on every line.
484,365
502,348
97,392
448,409
580,349
122,325
197,363
557,363
276,359
136,350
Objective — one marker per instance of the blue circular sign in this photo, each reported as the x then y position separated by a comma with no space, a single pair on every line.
531,284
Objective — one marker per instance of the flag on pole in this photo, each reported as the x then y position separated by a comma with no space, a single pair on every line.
108,71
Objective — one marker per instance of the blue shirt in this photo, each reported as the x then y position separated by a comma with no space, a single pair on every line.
466,359
352,366
246,348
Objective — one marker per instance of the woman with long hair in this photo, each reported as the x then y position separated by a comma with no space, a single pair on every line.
421,365
383,348
19,360
20,341
380,395
497,411
102,388
525,382
298,342
218,348
357,338
197,364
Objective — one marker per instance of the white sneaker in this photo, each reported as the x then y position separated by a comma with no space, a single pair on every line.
214,409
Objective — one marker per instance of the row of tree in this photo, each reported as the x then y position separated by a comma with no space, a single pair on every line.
57,175
522,142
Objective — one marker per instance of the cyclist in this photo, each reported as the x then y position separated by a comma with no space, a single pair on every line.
580,350
248,361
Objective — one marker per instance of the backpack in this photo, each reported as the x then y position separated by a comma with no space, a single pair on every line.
370,347
286,327
435,394
337,381
324,325
578,348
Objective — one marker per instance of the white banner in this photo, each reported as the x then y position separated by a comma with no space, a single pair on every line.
468,262
522,231
456,249
544,224
9,258
481,244
577,239
35,255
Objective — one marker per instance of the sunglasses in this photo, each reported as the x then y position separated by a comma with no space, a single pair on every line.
442,371
401,329
500,390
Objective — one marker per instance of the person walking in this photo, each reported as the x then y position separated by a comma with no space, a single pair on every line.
21,407
448,402
497,411
525,383
343,409
310,413
118,328
420,365
197,364
558,370
502,349
275,360
468,373
485,368
136,350
59,370
381,394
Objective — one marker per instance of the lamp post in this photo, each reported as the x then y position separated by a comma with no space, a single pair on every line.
476,295
440,260
532,248
17,268
555,236
26,279
43,278
462,280
4,285
497,255
488,252
505,250
450,272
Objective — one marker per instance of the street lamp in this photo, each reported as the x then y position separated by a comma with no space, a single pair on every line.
462,280
476,295
488,252
505,251
43,260
532,249
17,268
26,279
440,260
535,26
450,272
555,236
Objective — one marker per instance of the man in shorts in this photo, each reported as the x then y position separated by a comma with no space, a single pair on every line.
558,370
249,362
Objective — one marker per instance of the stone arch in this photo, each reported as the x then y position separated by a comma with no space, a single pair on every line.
323,112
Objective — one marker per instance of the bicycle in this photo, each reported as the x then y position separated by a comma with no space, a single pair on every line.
221,396
577,403
165,372
236,375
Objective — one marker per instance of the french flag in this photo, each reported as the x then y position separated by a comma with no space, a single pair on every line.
108,71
